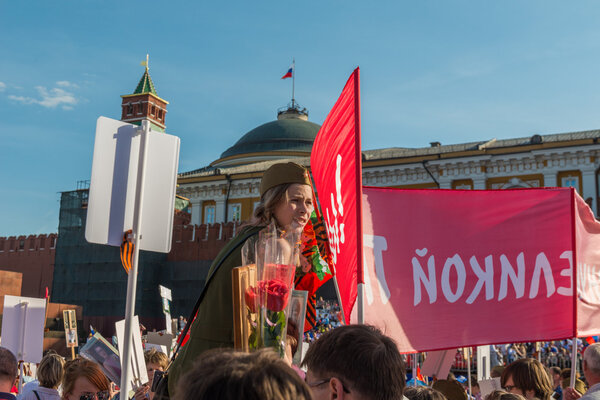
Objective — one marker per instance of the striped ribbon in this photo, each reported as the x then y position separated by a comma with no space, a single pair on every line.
127,250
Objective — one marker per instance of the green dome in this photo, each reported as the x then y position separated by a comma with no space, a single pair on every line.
293,134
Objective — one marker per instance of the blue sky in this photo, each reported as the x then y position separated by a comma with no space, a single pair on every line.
448,71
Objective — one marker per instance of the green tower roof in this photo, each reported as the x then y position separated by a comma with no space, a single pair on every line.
146,85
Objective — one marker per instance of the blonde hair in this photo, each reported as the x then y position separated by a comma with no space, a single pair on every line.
156,357
51,370
264,212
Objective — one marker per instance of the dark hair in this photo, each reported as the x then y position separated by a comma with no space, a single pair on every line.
423,393
529,374
229,375
8,365
555,370
362,357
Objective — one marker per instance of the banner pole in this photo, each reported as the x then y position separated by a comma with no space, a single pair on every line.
469,370
573,362
415,364
339,298
361,304
127,348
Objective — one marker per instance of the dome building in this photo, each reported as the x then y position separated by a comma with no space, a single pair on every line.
228,189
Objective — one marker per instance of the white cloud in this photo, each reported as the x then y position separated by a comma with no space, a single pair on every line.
67,84
51,98
2,86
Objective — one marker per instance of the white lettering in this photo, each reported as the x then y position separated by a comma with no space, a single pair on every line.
379,245
461,276
542,264
419,277
484,278
564,291
517,278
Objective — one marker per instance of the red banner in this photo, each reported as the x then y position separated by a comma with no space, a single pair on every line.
453,268
336,167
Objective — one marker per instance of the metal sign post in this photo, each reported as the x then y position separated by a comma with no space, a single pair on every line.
21,351
133,273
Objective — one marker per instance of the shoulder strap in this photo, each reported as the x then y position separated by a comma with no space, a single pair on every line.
240,241
36,395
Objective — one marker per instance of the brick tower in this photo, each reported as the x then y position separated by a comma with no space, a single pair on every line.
144,103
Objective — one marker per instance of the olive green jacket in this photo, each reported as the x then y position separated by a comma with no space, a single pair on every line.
213,326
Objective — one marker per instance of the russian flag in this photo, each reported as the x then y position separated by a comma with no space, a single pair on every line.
288,74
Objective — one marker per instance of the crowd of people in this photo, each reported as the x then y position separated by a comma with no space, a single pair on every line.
349,362
343,362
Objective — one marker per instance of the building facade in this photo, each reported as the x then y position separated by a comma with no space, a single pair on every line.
230,193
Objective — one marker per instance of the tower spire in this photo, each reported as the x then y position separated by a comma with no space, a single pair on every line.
144,103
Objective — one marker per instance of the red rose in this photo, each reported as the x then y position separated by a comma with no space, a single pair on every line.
277,294
252,299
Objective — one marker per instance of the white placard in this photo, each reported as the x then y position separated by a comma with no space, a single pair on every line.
438,363
138,363
23,327
157,347
165,292
487,386
483,362
114,182
162,339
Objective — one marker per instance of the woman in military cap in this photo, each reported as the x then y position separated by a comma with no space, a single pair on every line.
286,199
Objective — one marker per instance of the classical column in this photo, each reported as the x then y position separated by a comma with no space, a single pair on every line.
588,178
220,211
196,211
479,183
550,179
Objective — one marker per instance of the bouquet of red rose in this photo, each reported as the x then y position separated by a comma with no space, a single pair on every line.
267,303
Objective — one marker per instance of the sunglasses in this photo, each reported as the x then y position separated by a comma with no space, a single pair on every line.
102,395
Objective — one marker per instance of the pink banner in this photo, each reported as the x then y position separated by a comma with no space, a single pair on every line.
588,270
336,167
453,268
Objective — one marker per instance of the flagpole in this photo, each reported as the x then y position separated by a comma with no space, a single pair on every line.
337,292
293,80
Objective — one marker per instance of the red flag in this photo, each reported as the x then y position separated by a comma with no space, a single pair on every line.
336,166
590,340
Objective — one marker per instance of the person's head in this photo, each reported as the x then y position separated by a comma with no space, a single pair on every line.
496,371
451,389
555,374
84,380
502,395
155,361
527,377
229,375
8,369
50,371
422,393
357,362
285,195
591,364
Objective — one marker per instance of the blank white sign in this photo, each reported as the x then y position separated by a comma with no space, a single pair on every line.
23,327
114,183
